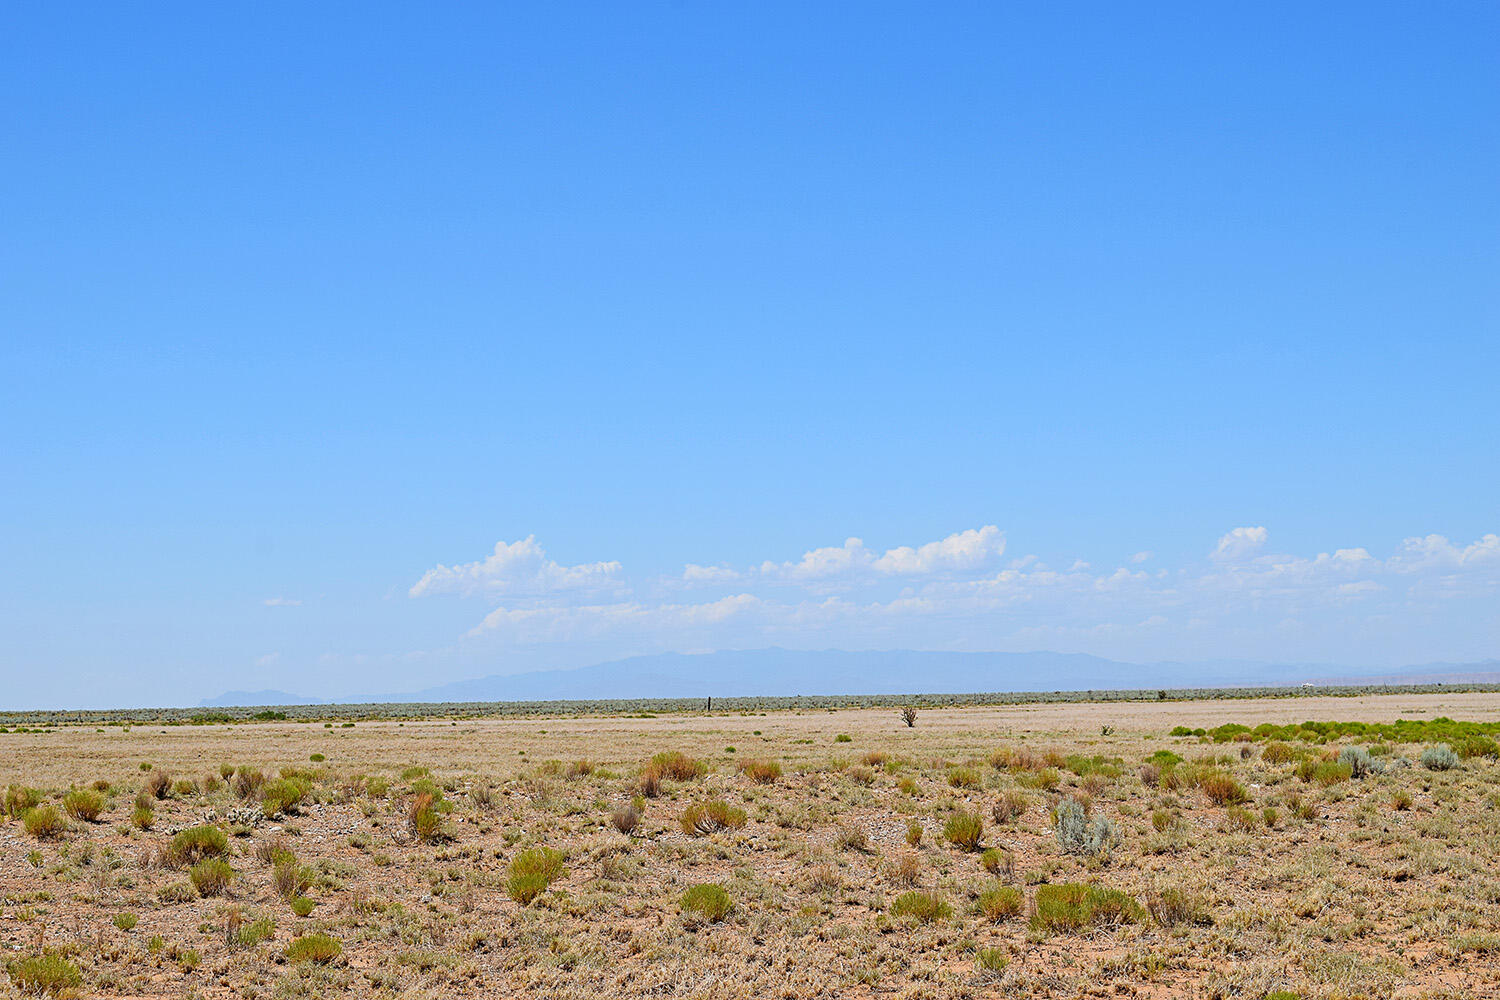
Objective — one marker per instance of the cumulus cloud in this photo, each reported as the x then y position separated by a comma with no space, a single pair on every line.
1239,543
964,551
516,568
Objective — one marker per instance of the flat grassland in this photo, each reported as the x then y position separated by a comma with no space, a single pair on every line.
1043,850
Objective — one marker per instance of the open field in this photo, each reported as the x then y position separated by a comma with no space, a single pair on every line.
1048,849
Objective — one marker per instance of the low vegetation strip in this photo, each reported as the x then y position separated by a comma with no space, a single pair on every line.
30,721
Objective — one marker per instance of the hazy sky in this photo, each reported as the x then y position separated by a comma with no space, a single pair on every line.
366,348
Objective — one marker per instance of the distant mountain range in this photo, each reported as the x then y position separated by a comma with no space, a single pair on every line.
780,672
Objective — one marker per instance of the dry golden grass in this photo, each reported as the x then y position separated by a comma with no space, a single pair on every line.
513,857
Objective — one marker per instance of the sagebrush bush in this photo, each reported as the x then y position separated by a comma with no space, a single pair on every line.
1359,762
211,876
1079,833
700,820
84,805
317,948
964,830
708,901
1439,758
531,872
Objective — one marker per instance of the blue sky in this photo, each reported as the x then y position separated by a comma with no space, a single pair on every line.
298,306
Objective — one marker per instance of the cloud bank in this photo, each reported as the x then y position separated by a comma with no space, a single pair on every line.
1239,600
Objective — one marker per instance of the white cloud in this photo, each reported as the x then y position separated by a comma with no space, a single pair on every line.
974,549
281,602
516,568
693,573
956,593
1239,543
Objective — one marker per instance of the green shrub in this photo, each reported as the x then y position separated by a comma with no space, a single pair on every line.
43,822
925,907
302,906
998,862
318,948
142,816
964,830
711,817
963,777
47,974
281,796
196,843
255,932
126,921
1477,746
84,805
843,738
991,960
708,901
1071,907
1000,902
211,876
531,872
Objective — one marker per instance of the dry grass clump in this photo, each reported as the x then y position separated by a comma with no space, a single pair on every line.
1172,906
19,798
424,818
998,861
247,781
963,777
905,870
679,766
626,818
762,772
1009,806
1222,789
702,819
158,784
